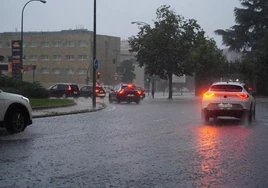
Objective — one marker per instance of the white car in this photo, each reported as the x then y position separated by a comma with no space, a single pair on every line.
232,99
15,112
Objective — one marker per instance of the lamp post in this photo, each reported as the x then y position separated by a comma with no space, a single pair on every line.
94,55
21,35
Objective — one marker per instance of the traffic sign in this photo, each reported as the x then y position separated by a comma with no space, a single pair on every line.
95,64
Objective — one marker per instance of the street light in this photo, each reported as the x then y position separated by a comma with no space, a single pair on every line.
21,33
139,23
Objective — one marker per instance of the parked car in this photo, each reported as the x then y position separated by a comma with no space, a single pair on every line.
64,90
232,99
87,91
15,112
125,92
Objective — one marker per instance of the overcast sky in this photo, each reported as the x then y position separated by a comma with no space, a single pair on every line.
114,17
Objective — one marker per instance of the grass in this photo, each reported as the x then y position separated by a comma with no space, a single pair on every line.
49,102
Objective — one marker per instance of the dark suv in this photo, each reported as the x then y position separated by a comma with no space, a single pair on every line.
64,90
87,91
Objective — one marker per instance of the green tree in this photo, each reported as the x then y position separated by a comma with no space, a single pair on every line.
164,49
249,36
209,63
127,70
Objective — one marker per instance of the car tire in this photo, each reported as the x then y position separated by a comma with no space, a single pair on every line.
205,117
15,121
138,101
64,96
118,101
110,99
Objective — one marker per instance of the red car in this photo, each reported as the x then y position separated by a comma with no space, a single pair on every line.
125,92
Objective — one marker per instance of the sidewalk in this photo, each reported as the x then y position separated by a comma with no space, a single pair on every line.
80,105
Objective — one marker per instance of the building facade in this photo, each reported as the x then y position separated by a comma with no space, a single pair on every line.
64,56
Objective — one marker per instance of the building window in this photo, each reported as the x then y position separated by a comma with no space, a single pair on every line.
70,44
69,57
56,71
82,71
82,57
82,44
57,57
44,57
45,44
8,44
44,71
33,44
57,44
70,71
33,57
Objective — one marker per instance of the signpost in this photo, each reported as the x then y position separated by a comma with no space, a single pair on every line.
16,59
95,64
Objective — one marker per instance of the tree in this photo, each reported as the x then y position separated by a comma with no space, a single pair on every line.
127,69
209,63
249,36
164,49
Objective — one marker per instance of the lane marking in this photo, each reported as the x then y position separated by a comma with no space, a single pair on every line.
155,121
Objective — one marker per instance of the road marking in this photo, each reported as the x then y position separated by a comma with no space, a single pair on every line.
160,120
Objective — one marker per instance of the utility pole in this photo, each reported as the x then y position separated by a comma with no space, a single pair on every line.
94,56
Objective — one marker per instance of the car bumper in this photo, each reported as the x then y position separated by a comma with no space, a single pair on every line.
238,113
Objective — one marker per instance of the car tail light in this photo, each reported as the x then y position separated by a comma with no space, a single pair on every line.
97,90
208,95
242,95
121,91
139,92
69,88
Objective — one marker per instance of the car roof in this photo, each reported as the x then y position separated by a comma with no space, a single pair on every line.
228,83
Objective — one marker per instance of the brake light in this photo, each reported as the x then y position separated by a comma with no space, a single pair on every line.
129,85
208,95
243,95
97,91
69,88
121,91
139,92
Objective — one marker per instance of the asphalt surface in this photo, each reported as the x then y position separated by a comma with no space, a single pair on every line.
158,143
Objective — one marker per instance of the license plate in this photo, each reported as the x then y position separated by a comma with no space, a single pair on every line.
75,92
225,105
130,95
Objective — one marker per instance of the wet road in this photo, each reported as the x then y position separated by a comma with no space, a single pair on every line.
158,143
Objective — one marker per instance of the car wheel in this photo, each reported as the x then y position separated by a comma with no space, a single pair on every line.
110,99
118,101
254,112
64,95
205,116
15,121
138,101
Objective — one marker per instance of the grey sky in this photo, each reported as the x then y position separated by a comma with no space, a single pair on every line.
113,16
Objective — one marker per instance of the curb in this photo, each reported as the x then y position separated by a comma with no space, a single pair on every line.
53,114
51,107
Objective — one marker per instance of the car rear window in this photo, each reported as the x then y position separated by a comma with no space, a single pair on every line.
74,87
228,88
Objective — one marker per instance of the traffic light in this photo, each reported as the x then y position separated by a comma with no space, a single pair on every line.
98,75
147,79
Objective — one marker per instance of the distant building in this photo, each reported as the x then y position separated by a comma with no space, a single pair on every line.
65,56
125,55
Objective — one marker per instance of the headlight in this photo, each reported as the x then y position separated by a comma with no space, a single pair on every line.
24,98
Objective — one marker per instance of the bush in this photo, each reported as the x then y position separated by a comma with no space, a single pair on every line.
27,89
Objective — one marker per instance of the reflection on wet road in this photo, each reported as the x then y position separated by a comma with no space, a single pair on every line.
158,143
